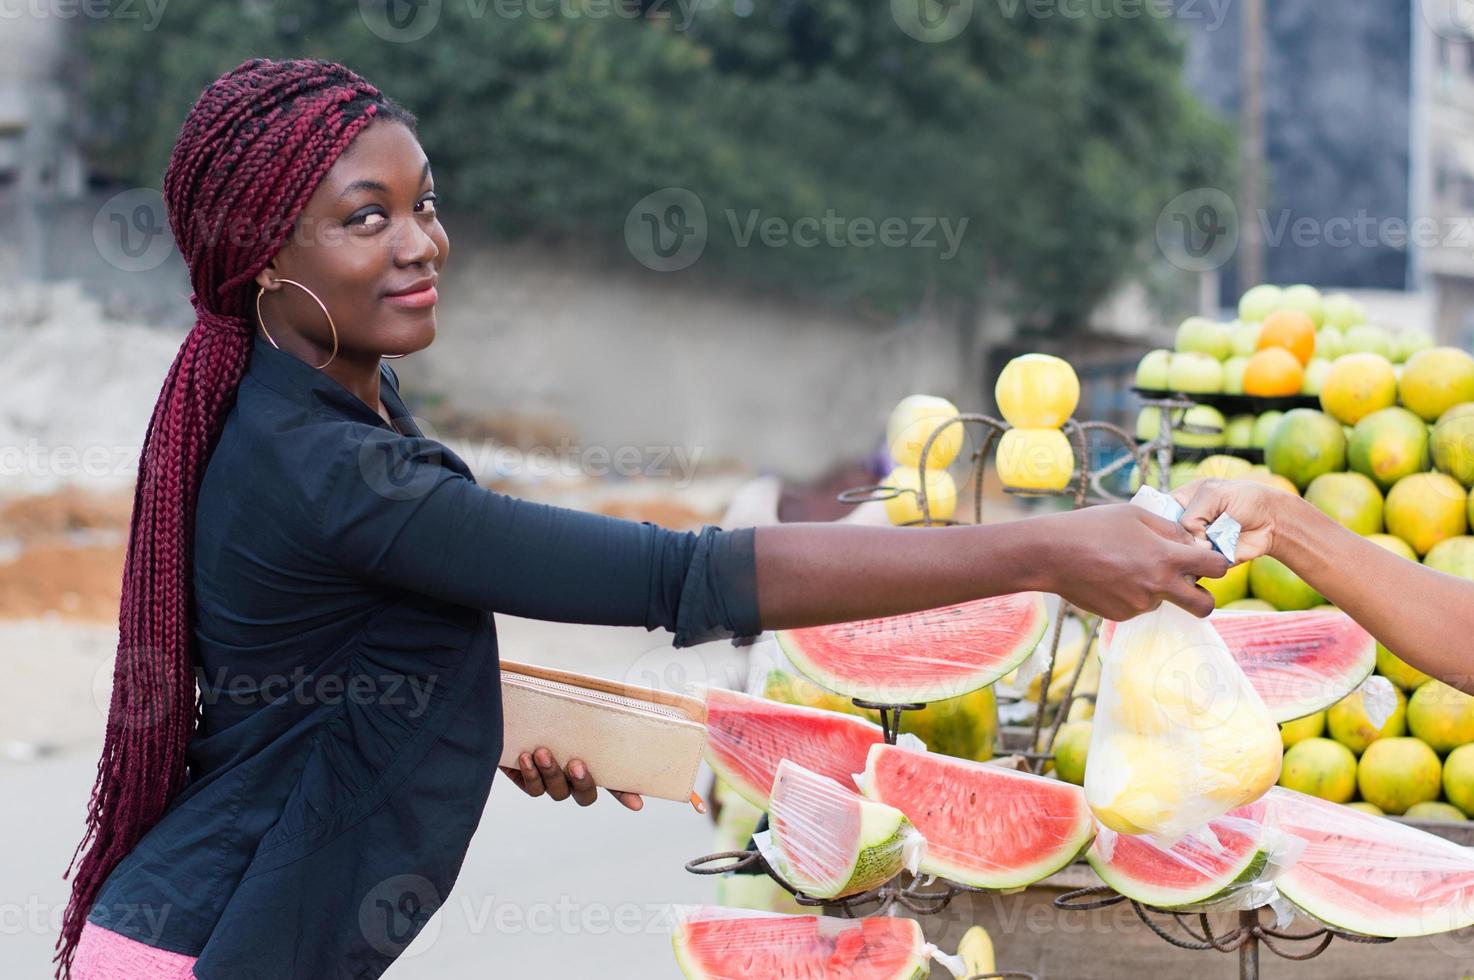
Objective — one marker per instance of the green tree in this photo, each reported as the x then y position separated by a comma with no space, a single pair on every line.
1058,139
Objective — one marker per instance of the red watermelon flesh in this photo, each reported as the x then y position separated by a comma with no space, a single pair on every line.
923,656
1192,872
733,944
985,825
1371,875
746,738
1299,662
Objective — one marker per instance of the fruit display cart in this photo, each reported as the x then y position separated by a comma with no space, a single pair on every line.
1067,921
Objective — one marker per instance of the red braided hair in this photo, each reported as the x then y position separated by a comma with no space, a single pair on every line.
249,155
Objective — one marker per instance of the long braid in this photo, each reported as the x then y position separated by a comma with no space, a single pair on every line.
250,153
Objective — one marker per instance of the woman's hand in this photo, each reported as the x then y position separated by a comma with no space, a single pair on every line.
1259,509
1120,561
539,774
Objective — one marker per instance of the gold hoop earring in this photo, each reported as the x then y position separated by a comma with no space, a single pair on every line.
331,325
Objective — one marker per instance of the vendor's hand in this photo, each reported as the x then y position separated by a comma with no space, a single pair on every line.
1121,561
538,773
1256,506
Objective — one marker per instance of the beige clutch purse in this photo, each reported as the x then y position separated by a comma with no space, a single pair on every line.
634,739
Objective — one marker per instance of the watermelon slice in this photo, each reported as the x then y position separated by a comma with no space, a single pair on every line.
746,738
831,841
1192,872
1371,875
1299,662
985,825
733,944
931,655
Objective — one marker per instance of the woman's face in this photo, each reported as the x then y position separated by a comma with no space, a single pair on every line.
368,232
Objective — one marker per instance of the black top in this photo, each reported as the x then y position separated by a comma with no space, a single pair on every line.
350,720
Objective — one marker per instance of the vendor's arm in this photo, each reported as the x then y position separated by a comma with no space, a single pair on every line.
1425,617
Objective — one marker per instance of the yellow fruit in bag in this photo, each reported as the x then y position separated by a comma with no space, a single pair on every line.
1180,737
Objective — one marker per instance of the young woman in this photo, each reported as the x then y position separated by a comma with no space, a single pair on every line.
1425,617
306,712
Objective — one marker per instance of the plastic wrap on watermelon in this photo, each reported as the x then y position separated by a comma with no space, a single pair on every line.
1180,736
1366,874
713,943
1230,863
932,655
747,737
1299,662
828,841
986,825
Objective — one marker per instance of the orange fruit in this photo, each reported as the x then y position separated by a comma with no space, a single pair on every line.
1274,372
1291,330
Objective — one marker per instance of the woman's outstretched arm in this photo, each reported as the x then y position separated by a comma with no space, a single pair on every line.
1425,617
1117,561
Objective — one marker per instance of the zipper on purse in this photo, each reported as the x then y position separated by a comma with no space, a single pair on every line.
666,710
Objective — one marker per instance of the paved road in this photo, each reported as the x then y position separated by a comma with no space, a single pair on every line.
547,888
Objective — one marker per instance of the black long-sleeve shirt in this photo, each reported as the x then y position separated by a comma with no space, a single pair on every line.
345,574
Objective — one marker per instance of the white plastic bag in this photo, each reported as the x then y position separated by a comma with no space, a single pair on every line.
1180,736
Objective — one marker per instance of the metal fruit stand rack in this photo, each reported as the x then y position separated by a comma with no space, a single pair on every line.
928,895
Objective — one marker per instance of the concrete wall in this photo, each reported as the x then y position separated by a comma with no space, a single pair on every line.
611,353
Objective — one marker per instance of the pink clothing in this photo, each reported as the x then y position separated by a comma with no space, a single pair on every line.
102,954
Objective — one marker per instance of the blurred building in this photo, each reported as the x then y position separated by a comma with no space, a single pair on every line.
1368,121
39,162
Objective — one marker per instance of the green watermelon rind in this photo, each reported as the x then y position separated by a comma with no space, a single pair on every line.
1380,928
1017,877
1174,900
874,866
950,688
919,967
746,790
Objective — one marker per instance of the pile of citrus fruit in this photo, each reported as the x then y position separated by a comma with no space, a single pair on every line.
1284,343
1419,763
